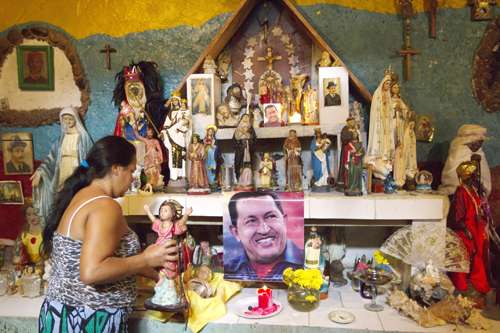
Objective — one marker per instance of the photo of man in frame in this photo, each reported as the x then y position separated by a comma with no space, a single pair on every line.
17,150
35,67
263,235
331,92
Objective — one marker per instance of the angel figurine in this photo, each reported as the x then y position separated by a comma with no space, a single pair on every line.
266,171
169,224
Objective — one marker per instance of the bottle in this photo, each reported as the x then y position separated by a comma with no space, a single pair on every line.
312,250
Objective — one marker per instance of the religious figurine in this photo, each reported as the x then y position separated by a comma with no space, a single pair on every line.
209,66
335,252
325,60
214,157
424,130
235,98
286,104
356,113
244,140
31,235
310,106
200,283
64,157
352,161
176,130
320,157
295,113
389,184
223,63
270,82
469,141
170,224
203,254
381,140
198,179
266,171
312,250
471,225
346,136
153,158
225,118
293,162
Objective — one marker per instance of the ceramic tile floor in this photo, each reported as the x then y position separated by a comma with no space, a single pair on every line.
387,320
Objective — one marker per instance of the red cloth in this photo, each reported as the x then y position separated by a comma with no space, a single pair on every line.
468,217
11,216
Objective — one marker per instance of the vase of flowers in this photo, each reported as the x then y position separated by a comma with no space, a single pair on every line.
303,288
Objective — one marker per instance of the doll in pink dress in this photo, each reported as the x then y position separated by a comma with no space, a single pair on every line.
170,223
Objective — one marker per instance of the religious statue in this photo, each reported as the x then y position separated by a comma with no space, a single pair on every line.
381,140
293,162
170,224
225,118
346,136
214,157
270,82
223,63
295,114
64,157
266,171
153,158
356,113
335,252
176,130
203,254
31,236
353,164
310,106
320,157
468,142
235,98
209,66
325,60
244,140
198,179
200,283
286,104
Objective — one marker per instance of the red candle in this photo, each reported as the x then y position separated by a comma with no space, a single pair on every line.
265,297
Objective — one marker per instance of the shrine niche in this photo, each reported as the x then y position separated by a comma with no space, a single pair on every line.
486,69
35,110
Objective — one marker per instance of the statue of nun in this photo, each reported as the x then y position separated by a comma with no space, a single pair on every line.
64,156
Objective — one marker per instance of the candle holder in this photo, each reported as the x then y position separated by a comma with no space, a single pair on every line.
374,278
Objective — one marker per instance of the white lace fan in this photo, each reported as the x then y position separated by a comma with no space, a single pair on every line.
420,245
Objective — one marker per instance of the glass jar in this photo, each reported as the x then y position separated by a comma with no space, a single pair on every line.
30,285
302,299
4,283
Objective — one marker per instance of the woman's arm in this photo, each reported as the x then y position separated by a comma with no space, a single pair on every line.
104,229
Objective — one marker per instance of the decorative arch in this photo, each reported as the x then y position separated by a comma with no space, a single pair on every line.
39,117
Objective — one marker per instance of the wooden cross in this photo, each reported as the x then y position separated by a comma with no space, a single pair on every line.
108,50
407,51
269,58
432,5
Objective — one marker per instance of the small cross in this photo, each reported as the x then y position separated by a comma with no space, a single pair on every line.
407,53
269,58
108,50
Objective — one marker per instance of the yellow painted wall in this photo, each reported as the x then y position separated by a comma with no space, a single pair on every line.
82,18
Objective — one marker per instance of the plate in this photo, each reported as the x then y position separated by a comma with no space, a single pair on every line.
341,316
241,308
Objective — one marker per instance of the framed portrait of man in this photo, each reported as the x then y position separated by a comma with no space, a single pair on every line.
272,115
35,67
11,193
263,234
203,94
17,150
333,95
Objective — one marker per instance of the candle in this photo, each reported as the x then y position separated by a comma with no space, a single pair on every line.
265,297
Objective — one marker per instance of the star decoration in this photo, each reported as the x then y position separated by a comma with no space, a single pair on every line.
289,51
294,70
247,63
248,86
285,39
277,31
249,52
248,74
293,59
252,42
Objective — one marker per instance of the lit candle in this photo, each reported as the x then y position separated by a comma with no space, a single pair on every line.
265,297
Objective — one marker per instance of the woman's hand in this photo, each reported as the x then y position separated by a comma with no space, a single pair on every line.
157,255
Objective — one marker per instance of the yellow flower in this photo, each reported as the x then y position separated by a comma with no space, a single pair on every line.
379,258
311,298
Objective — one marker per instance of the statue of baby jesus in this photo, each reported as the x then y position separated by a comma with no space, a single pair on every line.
170,223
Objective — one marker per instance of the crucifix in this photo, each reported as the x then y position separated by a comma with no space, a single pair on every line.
432,5
407,51
108,50
269,58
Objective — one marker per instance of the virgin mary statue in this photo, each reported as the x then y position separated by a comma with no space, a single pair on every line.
64,156
381,143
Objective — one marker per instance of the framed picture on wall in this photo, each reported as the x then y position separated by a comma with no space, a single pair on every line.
333,95
11,193
203,94
35,67
17,151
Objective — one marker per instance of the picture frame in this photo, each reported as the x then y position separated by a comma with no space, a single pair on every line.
17,151
11,193
35,67
203,94
272,115
333,91
283,242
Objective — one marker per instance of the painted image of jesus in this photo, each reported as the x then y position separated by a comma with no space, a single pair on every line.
35,69
201,96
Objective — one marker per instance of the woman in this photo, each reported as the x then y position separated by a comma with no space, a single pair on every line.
65,155
95,256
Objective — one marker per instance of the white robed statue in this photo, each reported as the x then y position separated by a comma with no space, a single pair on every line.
381,140
64,157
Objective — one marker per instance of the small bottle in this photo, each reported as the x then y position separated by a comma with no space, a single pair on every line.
312,250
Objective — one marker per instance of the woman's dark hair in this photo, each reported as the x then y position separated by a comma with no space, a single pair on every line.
108,151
